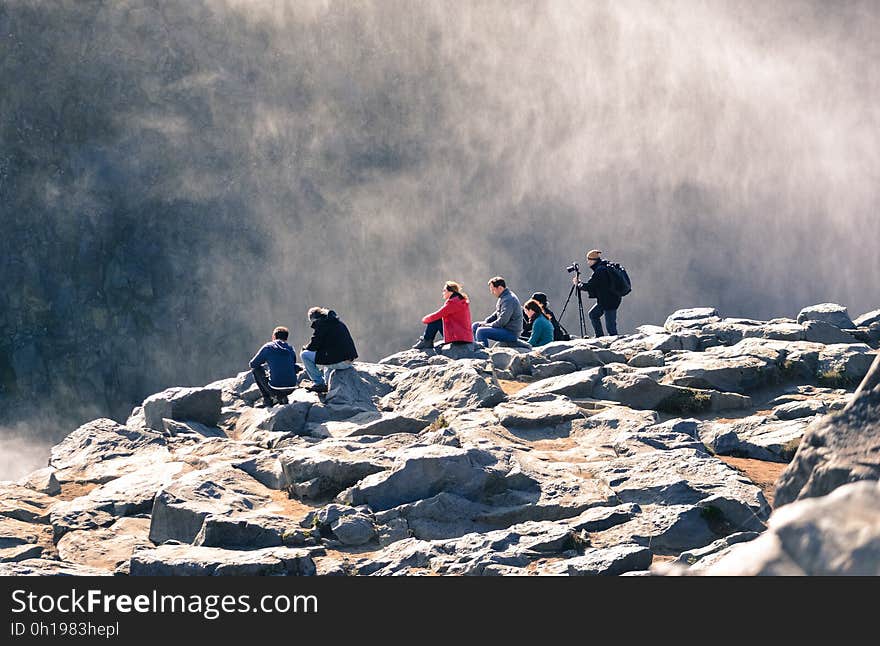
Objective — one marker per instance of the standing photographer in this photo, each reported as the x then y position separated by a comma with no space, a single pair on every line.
601,287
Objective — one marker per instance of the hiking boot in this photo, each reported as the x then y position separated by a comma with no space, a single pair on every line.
423,344
318,388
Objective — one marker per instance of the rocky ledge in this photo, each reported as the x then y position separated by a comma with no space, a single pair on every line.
602,456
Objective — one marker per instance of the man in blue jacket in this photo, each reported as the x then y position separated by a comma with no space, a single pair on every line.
281,359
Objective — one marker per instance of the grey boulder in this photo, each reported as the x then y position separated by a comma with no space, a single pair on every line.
831,313
184,404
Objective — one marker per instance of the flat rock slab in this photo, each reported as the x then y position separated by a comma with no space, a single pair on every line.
611,561
832,313
188,560
108,547
42,480
544,411
361,386
23,504
103,449
757,437
46,567
575,385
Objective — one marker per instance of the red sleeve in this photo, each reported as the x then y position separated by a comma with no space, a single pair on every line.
436,316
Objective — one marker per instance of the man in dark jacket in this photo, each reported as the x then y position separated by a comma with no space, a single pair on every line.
599,287
331,347
281,359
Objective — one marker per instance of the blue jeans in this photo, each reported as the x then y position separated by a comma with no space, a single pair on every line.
483,334
320,374
610,320
433,329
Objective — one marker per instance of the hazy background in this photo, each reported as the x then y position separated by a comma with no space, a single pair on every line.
178,177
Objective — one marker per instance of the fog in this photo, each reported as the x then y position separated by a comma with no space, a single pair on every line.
199,172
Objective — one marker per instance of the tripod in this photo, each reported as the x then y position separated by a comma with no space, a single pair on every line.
581,318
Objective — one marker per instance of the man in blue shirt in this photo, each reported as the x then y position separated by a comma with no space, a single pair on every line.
281,359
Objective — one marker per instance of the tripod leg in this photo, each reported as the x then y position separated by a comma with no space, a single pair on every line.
570,292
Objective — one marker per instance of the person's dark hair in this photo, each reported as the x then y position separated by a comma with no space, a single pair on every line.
534,306
281,333
541,297
498,281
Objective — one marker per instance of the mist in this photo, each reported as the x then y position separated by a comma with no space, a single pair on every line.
177,178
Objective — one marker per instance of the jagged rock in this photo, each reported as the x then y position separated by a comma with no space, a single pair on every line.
244,530
832,313
799,409
640,391
503,358
425,392
388,424
457,351
15,533
686,477
844,365
422,472
24,504
648,359
361,385
671,434
825,333
47,567
758,437
688,319
664,529
782,332
172,428
539,410
867,319
180,508
410,359
268,426
108,547
102,450
701,555
356,529
265,468
553,369
42,480
611,561
839,448
833,535
187,560
325,469
183,404
575,385
585,357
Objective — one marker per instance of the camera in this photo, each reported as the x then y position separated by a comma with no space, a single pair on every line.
573,267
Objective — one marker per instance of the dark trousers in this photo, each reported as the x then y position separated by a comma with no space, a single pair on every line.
433,329
610,320
269,393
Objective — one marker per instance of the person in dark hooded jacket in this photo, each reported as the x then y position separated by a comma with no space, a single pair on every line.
331,347
600,287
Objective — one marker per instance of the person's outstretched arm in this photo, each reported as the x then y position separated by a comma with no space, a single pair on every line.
259,358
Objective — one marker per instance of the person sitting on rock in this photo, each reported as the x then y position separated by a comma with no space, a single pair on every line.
559,332
542,328
453,320
281,359
505,323
331,348
599,287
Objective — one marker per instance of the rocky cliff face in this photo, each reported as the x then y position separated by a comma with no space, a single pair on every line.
588,457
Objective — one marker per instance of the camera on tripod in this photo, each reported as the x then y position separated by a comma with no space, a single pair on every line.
582,319
573,267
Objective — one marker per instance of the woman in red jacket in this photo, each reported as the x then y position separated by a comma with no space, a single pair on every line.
453,319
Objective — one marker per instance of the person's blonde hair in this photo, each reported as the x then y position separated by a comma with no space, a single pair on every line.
455,288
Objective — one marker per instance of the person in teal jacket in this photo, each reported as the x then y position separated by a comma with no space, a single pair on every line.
542,328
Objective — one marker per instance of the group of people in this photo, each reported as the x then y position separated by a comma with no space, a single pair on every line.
530,325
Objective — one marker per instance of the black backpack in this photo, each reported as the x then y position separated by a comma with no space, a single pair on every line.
620,283
559,332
